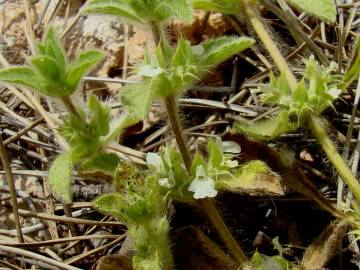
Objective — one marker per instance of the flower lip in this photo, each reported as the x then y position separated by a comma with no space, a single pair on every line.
203,186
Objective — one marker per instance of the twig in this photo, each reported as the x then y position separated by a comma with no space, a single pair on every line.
23,131
11,184
35,256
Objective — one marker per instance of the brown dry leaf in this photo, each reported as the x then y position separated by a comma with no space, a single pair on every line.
324,247
255,178
292,176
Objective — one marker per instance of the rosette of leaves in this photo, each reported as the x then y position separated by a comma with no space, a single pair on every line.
49,71
314,93
188,64
142,12
84,134
142,207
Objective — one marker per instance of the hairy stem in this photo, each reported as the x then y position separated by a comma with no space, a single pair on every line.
70,106
270,46
171,108
207,205
11,184
318,129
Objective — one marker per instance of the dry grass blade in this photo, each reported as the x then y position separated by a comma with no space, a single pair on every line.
38,257
11,184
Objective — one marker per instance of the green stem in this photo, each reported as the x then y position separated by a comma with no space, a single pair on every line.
171,108
271,47
207,205
70,106
318,129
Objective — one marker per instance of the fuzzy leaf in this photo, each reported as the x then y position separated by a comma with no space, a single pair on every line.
267,129
215,154
80,67
52,47
137,99
119,8
105,162
23,76
182,9
323,9
60,177
182,54
110,204
255,177
101,115
222,6
218,50
47,67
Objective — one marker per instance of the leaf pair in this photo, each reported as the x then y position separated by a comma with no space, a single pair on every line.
84,136
49,71
142,11
138,199
188,63
313,94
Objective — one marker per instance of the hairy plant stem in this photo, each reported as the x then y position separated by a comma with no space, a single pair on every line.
207,205
171,108
70,106
317,127
314,122
265,37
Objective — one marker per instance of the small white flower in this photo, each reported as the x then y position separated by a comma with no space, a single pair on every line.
167,182
202,186
154,161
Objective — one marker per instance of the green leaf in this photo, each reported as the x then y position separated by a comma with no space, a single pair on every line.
182,9
300,93
218,50
100,115
60,177
110,204
182,54
267,129
123,9
53,48
198,161
137,99
47,67
323,9
223,6
23,76
80,67
255,177
105,162
215,154
354,70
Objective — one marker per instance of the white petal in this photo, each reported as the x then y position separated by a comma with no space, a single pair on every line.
154,160
230,147
203,188
164,182
200,172
150,71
